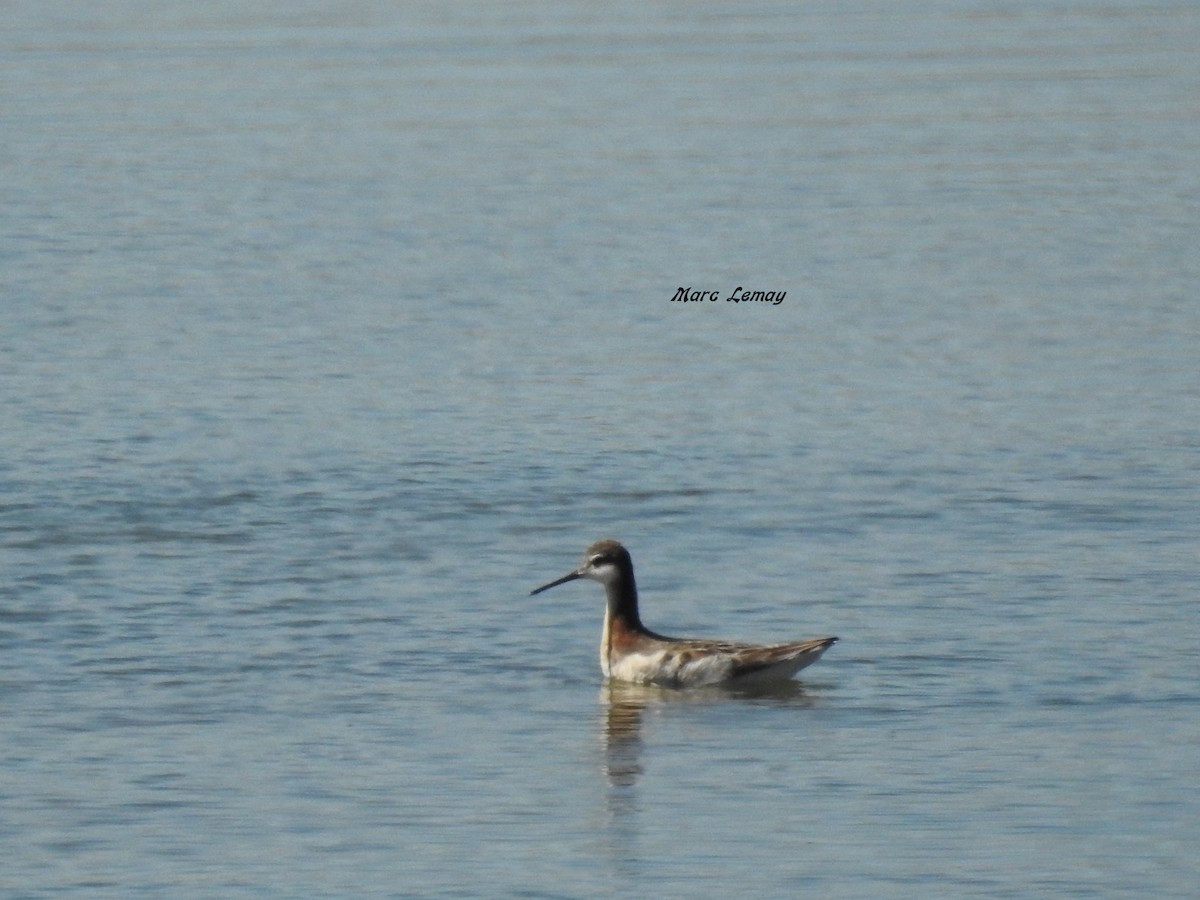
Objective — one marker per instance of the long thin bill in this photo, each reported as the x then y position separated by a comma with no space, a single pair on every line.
545,587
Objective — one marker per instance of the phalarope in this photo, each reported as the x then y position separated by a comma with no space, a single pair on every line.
631,652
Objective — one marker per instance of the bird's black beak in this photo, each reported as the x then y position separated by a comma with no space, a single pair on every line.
570,576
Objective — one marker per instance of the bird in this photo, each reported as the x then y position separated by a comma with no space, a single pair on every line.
630,652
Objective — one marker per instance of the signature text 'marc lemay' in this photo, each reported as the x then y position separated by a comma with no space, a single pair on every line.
737,295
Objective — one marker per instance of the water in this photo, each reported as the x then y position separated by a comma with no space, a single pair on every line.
329,332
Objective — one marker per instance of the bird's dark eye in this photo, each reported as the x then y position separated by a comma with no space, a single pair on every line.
600,560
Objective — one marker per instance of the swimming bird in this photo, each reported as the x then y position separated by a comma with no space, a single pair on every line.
631,652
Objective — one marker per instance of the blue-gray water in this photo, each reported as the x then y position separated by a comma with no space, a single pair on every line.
330,330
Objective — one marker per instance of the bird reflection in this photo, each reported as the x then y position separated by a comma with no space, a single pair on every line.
625,709
625,706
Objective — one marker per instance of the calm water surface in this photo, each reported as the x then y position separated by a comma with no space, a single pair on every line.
330,331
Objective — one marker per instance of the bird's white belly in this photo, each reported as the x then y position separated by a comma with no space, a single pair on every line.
669,668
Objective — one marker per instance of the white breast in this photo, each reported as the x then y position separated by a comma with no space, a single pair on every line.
671,668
